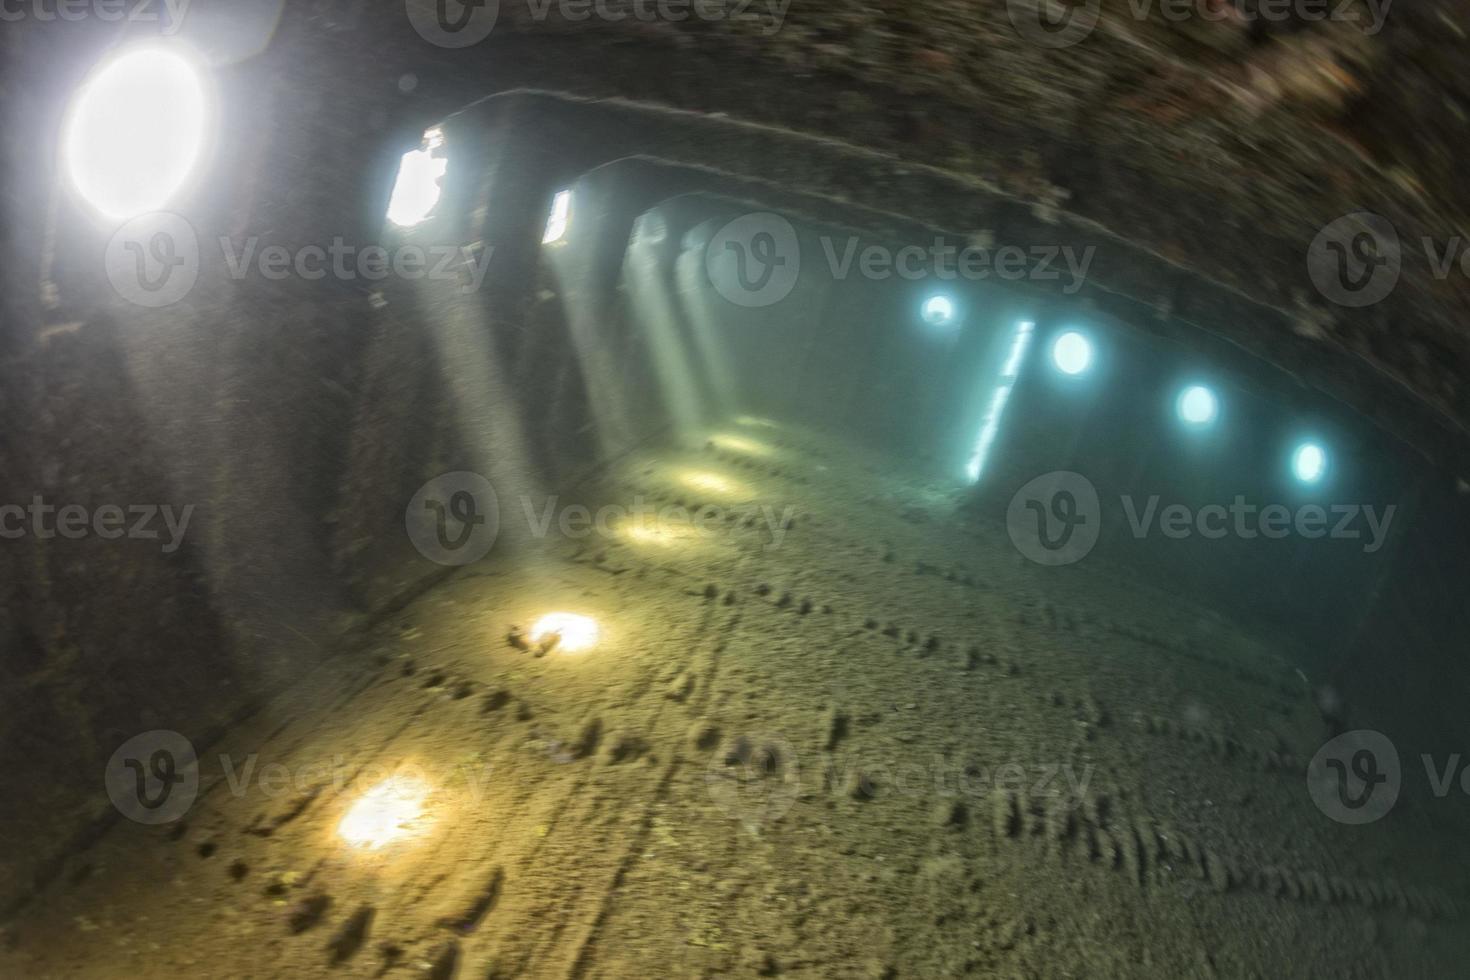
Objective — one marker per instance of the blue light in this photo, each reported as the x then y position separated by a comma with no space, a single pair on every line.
1197,405
938,311
1309,462
1072,353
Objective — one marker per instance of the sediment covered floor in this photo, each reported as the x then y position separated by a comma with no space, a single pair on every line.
884,745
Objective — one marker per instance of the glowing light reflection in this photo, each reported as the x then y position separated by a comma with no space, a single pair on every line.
1309,462
135,131
739,444
416,190
573,633
392,810
938,311
559,220
1072,353
1198,405
706,481
661,534
990,424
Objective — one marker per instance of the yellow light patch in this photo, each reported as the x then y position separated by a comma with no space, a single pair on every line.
573,633
708,481
739,444
659,533
392,810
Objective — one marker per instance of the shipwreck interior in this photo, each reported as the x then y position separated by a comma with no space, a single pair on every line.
632,499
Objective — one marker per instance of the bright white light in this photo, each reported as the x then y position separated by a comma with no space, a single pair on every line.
1198,405
1309,462
416,190
135,131
990,425
1019,343
561,217
988,429
574,633
391,810
1071,353
938,311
